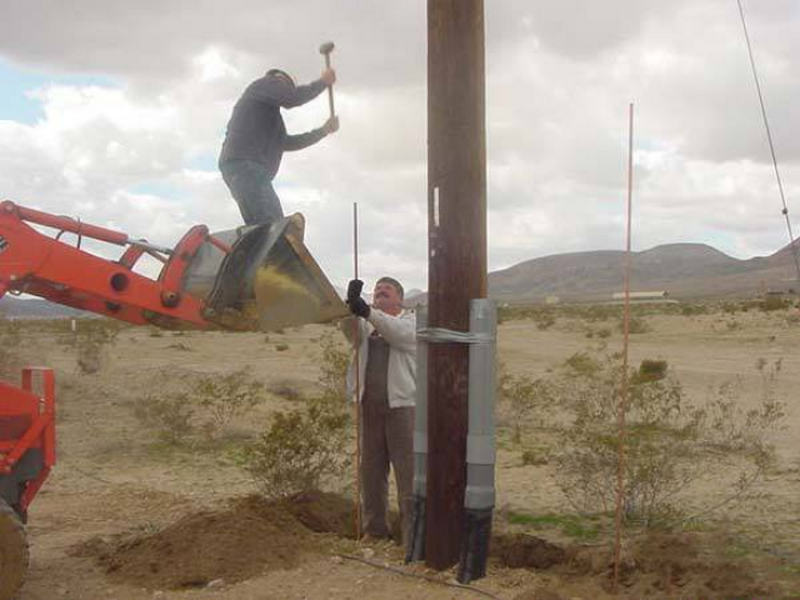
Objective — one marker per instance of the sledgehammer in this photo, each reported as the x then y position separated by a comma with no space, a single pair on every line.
326,49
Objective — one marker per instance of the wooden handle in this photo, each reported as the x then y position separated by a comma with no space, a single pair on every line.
330,87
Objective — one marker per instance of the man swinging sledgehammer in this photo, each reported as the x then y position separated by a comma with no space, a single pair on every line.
256,138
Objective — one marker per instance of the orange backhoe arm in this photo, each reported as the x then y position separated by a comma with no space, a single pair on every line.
34,263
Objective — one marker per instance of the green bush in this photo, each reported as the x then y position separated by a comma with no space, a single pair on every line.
771,303
652,370
170,415
582,363
300,450
671,441
525,398
204,412
221,398
333,367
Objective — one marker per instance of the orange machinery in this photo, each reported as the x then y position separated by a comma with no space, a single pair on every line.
254,278
27,453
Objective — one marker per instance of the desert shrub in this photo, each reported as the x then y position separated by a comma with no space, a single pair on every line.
535,457
545,321
652,370
90,341
333,367
222,398
202,413
730,308
502,314
285,389
525,398
733,325
690,310
636,325
770,303
593,313
582,363
282,347
671,441
300,451
170,415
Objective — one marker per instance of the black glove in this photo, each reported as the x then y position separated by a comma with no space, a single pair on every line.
354,289
355,302
359,307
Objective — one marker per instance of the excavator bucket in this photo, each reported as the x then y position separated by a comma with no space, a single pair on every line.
268,281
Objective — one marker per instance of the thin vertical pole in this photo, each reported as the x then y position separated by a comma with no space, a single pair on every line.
357,338
623,399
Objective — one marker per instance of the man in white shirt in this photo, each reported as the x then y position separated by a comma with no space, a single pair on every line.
386,334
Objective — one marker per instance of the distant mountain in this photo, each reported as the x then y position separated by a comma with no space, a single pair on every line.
683,270
34,308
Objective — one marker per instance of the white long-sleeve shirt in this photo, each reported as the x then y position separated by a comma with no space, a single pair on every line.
400,333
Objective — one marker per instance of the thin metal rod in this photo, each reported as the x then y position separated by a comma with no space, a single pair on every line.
623,399
785,210
357,326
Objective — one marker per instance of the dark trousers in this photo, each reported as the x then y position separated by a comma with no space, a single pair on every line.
250,184
387,439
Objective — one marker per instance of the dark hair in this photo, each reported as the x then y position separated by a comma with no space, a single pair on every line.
393,282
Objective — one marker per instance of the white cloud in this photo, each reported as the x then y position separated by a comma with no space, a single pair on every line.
560,77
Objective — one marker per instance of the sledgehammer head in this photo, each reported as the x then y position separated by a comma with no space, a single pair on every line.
326,48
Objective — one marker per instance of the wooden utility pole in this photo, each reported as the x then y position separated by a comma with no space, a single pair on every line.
457,253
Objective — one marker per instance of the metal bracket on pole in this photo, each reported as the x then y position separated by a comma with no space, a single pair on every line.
479,498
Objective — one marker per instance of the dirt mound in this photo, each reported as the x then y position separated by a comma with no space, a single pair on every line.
325,513
251,536
672,562
666,565
519,550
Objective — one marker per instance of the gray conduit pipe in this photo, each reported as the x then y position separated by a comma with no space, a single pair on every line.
415,549
479,499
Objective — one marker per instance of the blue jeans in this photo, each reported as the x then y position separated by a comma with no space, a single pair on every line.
251,186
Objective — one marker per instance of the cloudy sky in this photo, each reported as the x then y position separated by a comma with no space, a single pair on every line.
114,111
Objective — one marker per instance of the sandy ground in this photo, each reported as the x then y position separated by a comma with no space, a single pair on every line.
113,479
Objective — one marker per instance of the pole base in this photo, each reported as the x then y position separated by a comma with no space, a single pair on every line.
475,544
415,548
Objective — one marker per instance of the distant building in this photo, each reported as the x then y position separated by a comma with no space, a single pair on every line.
656,295
551,300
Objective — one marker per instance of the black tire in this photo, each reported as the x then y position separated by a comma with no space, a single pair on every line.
14,554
